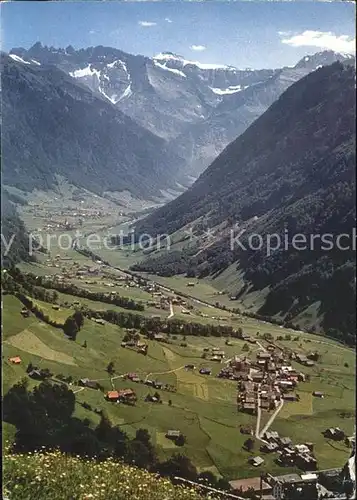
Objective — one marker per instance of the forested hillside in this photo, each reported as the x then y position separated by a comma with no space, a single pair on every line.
292,171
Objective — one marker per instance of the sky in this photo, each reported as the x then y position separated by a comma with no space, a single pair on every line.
241,34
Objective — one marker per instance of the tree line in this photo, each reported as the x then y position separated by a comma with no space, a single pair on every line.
30,282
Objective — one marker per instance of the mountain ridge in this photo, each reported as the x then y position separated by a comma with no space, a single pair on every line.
295,165
199,108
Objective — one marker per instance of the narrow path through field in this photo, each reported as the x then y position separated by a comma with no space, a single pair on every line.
259,415
163,373
271,419
261,346
78,390
172,313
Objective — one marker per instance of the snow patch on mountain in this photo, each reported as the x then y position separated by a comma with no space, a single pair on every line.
232,89
87,71
18,59
168,56
35,62
116,62
127,93
175,71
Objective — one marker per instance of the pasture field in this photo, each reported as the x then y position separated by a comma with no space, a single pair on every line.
203,407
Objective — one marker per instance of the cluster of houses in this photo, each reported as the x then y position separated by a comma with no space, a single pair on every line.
299,455
136,345
306,360
214,353
264,381
127,396
338,434
270,487
156,384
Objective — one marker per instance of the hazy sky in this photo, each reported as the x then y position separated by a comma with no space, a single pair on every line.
243,34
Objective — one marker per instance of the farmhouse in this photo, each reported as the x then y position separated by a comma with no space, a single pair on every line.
55,307
100,321
288,479
36,374
205,371
16,360
258,377
318,394
173,434
85,382
190,367
158,337
290,397
253,483
284,442
269,447
263,355
271,435
256,461
25,312
334,433
124,394
350,441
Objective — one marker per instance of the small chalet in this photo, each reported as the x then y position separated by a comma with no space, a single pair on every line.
100,321
290,397
253,483
55,307
122,395
205,371
85,382
271,435
158,337
173,434
256,461
190,367
334,433
318,394
269,447
16,360
285,442
301,358
350,441
25,312
36,374
258,377
263,355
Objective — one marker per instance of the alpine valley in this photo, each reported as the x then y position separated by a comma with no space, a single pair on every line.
178,282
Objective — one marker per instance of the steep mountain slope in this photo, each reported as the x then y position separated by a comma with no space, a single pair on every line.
292,171
202,143
14,240
55,126
199,107
164,94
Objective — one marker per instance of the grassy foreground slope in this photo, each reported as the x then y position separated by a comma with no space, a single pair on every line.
60,477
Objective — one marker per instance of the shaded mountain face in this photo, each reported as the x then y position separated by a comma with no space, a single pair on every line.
53,125
14,239
292,171
199,107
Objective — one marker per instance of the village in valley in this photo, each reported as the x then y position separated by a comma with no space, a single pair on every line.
240,397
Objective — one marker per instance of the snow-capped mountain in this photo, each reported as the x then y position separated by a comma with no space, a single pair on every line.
198,107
